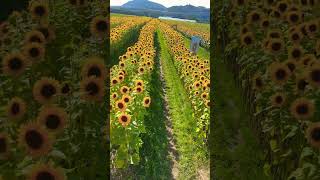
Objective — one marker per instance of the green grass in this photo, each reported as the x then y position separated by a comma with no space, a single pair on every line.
191,154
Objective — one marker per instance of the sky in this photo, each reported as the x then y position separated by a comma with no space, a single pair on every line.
169,3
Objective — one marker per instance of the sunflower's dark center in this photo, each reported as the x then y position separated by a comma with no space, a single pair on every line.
35,39
92,88
280,74
302,109
124,90
313,28
141,69
102,26
248,40
94,71
40,10
279,99
126,99
34,52
204,96
65,89
114,81
120,77
15,64
124,119
48,90
315,75
120,105
295,37
52,121
294,17
139,89
147,101
15,108
315,134
276,46
44,175
139,84
291,66
3,145
34,139
296,53
302,84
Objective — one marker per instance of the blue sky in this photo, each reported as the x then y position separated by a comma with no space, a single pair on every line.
169,3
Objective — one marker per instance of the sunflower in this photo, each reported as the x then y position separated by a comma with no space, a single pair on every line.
254,17
314,76
265,23
45,172
301,84
99,26
92,89
295,36
274,34
312,28
313,134
139,82
114,81
14,64
94,66
204,95
275,46
139,89
16,108
196,84
279,73
141,70
4,146
114,95
46,90
124,119
294,17
291,64
146,101
34,36
34,51
307,59
53,118
124,90
35,139
302,108
247,39
39,10
282,6
295,52
278,99
126,98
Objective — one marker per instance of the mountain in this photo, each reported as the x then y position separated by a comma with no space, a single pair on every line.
144,4
188,9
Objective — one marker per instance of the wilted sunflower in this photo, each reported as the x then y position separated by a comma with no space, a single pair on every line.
35,139
53,118
278,99
92,89
302,108
126,98
34,36
16,108
46,90
4,146
313,134
124,119
146,101
94,66
279,73
45,172
314,76
39,9
14,64
99,26
34,51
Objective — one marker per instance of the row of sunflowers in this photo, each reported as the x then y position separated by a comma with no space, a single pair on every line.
130,97
53,91
278,55
195,74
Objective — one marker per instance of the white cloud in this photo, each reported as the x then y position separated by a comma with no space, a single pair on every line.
169,3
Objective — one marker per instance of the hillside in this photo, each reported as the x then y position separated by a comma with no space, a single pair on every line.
144,4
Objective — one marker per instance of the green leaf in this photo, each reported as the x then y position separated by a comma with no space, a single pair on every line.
273,145
306,151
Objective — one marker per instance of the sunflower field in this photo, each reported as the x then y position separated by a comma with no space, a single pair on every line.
159,119
53,96
272,50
